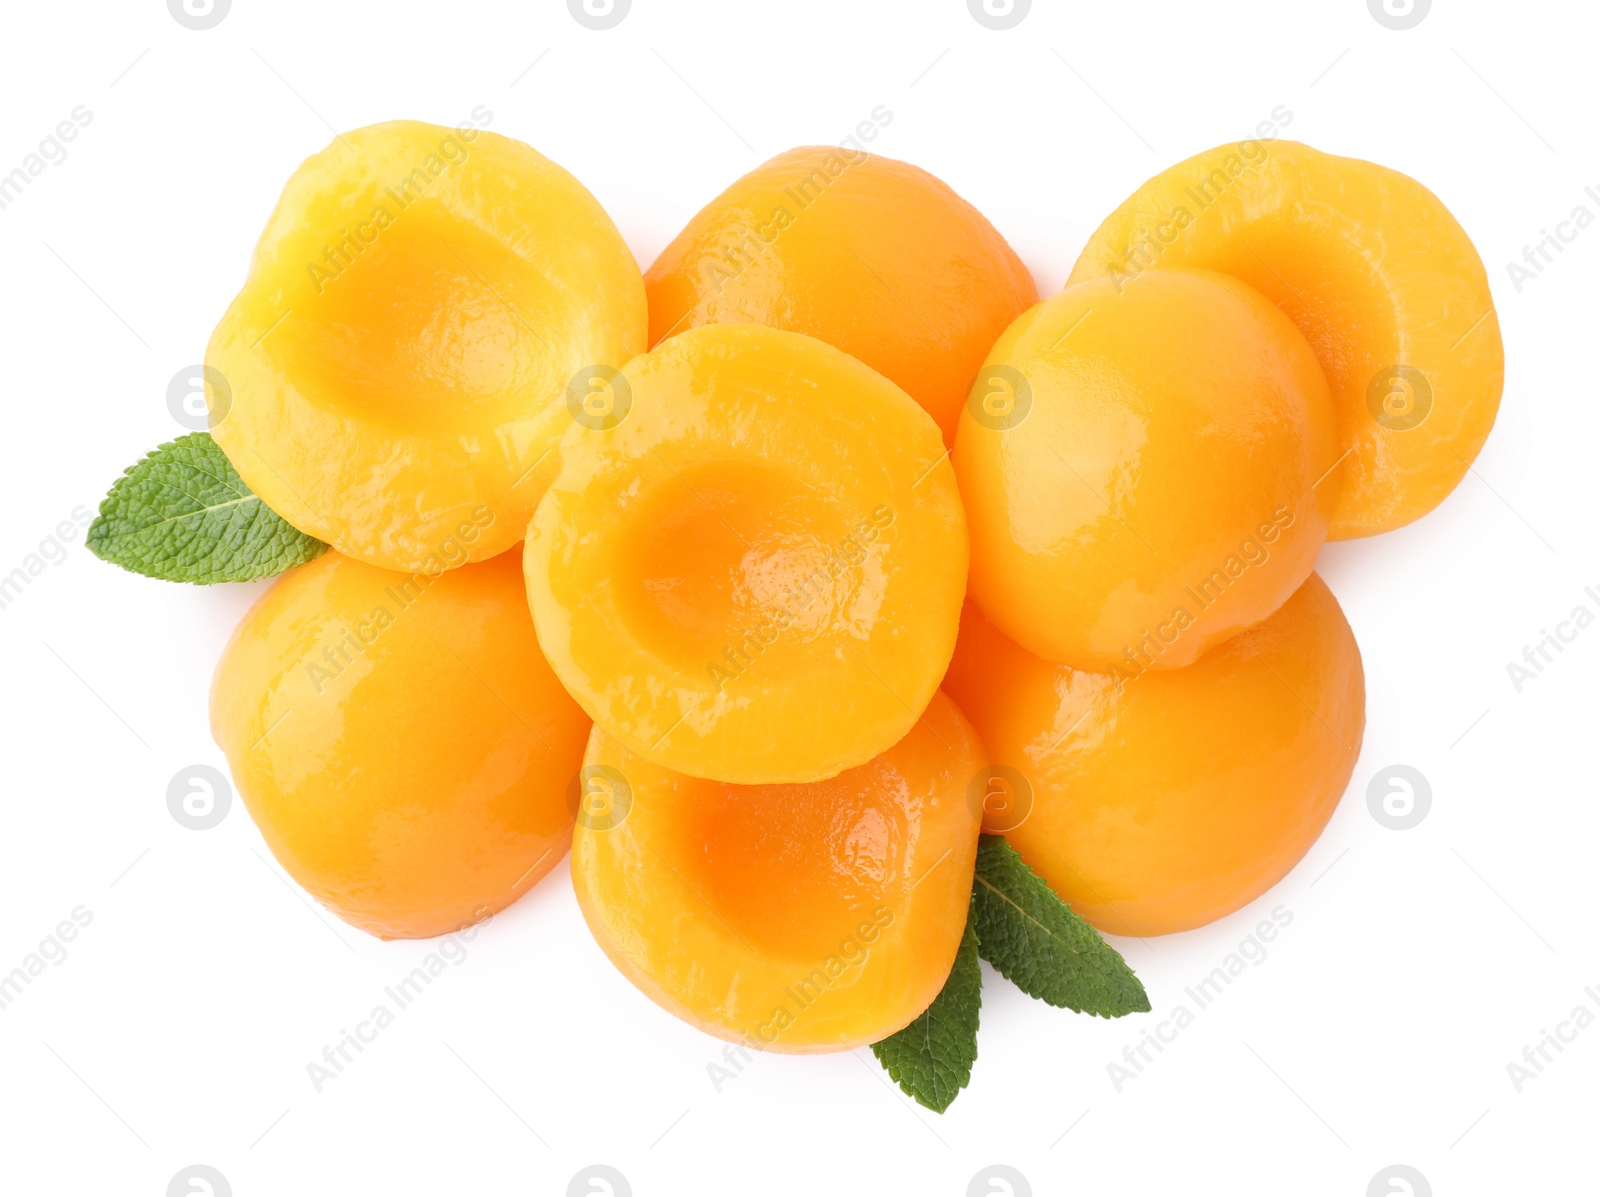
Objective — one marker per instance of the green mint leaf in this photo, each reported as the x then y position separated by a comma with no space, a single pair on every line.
1035,941
183,514
932,1058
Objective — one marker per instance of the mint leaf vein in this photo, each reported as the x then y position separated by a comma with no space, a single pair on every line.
932,1058
1035,941
183,514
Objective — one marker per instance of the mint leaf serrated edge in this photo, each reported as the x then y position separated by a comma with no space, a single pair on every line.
932,1058
183,514
1034,940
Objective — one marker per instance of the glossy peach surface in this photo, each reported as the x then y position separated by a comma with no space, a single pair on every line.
1146,471
1160,804
398,359
871,255
400,741
796,918
1372,268
752,569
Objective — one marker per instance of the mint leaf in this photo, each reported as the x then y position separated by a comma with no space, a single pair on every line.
932,1058
183,514
1035,941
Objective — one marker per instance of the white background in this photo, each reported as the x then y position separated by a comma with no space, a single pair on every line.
1418,963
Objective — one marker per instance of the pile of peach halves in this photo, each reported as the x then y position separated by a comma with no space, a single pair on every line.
783,579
